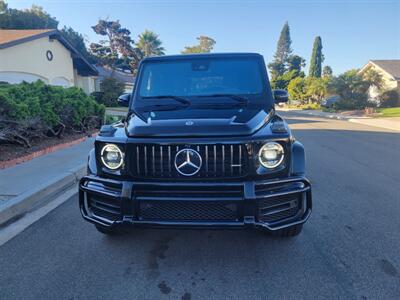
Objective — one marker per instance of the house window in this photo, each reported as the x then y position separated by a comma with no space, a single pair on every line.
49,55
97,84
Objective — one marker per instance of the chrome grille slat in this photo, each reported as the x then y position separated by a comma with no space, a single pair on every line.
232,159
169,160
223,159
153,160
137,160
215,160
161,160
145,160
240,159
206,160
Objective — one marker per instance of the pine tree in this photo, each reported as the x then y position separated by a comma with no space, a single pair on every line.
296,62
316,59
283,51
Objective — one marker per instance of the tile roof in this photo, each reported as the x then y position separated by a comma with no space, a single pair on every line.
391,66
8,36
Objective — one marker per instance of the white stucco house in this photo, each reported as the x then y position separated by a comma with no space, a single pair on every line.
29,55
389,70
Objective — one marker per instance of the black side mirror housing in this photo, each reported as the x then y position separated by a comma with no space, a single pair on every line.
124,99
280,96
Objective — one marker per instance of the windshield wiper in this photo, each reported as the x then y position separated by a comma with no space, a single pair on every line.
238,98
161,107
176,98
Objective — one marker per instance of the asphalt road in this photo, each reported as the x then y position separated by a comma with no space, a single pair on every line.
349,249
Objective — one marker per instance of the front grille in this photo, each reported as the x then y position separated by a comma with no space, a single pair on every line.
158,161
188,202
278,208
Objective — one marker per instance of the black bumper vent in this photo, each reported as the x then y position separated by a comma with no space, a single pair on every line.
188,211
278,208
188,202
158,161
106,208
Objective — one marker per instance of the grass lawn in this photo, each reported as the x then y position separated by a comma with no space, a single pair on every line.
389,112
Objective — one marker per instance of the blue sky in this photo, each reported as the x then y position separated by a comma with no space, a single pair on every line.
352,31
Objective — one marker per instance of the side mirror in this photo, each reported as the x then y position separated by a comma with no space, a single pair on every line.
280,96
124,99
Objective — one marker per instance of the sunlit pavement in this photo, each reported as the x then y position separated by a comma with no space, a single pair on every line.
349,249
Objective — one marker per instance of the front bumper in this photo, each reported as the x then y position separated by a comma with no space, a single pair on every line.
269,204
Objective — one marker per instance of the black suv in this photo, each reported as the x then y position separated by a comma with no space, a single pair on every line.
201,146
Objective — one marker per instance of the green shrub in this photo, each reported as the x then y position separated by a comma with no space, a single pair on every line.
110,90
328,109
112,119
389,99
352,88
298,89
308,90
311,106
47,107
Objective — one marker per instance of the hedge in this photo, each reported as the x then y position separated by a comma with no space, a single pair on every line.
34,110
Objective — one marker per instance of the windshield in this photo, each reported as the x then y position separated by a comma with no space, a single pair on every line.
202,77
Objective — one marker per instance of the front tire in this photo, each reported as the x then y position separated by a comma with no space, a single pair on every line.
106,230
289,231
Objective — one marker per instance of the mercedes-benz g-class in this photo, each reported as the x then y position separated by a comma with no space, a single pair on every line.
201,146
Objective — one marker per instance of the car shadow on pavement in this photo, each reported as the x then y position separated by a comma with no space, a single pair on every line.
172,247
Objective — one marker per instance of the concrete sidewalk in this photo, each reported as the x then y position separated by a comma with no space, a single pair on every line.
23,185
319,113
387,123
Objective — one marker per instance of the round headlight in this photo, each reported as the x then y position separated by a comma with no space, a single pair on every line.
112,157
271,155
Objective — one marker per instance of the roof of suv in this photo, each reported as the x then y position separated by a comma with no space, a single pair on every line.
201,55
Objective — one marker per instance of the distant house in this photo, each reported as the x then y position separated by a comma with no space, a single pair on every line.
390,71
29,55
126,78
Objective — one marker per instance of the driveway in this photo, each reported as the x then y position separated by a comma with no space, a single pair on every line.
349,249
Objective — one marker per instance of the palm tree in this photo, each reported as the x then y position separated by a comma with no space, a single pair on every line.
149,44
373,78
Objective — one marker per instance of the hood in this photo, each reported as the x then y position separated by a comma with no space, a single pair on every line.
198,122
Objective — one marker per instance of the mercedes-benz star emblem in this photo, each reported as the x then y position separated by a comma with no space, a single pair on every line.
188,162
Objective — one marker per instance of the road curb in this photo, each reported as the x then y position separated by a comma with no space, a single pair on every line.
40,195
358,120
